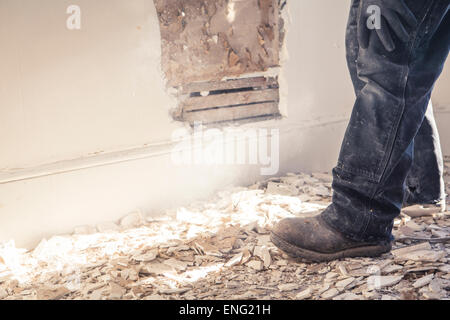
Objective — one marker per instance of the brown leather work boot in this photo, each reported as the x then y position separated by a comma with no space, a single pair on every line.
313,240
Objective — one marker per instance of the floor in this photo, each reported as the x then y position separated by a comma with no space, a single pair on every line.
220,249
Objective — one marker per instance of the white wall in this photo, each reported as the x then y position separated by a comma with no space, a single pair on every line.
67,94
441,105
84,127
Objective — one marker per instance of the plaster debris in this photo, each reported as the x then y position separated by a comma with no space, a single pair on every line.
379,282
423,255
221,249
281,189
419,283
432,295
342,269
321,191
401,252
3,293
329,294
116,291
156,269
437,285
348,296
420,211
392,268
51,294
325,177
341,285
264,254
256,265
305,294
288,287
132,220
412,225
323,288
176,264
146,257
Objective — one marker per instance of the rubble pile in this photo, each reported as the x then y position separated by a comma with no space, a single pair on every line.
221,249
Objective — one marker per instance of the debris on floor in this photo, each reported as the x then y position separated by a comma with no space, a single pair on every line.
221,249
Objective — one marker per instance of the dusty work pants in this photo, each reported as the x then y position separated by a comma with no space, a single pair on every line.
376,162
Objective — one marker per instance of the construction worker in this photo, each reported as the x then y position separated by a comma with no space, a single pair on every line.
390,156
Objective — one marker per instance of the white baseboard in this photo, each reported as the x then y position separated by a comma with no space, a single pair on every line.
137,153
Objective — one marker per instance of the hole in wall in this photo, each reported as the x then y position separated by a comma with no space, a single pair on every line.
201,46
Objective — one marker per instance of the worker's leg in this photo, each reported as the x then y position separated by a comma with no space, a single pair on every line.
352,46
377,150
376,154
425,183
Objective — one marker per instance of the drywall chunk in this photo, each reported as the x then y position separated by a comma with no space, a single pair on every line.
132,220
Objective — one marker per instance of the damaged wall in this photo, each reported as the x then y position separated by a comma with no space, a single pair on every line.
217,38
85,129
220,40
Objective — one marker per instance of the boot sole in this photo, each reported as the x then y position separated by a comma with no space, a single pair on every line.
297,252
